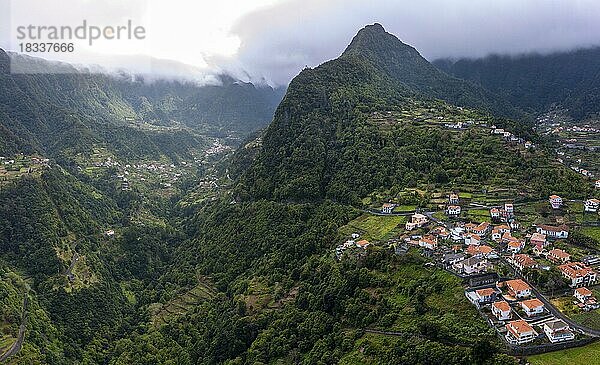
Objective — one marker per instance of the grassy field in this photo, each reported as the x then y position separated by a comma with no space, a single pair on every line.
587,355
375,228
592,232
479,215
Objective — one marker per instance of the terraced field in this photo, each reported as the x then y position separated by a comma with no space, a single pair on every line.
182,304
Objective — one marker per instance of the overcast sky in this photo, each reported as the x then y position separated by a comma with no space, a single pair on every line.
274,39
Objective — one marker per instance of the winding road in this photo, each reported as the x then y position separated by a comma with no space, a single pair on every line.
16,347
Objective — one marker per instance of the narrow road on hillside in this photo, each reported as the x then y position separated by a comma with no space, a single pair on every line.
16,347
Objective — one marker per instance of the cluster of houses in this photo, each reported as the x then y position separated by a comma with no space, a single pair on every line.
353,242
511,304
510,137
453,209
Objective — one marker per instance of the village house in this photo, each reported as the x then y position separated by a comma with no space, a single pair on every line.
503,228
501,310
514,224
472,265
555,201
558,331
517,288
482,229
496,235
519,332
591,205
506,237
586,299
453,199
532,307
538,240
451,259
509,209
388,208
416,221
495,213
440,232
362,244
578,274
554,232
429,242
481,296
457,233
522,261
528,144
597,184
559,256
469,227
515,246
472,239
453,210
479,251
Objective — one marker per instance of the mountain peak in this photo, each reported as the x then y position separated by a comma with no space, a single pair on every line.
374,41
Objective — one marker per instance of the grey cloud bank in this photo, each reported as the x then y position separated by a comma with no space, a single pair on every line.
279,41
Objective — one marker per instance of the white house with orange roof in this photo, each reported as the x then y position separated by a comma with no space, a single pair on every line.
532,307
416,221
515,246
555,201
538,240
557,232
388,208
559,256
479,251
578,274
495,213
496,235
586,299
472,239
482,296
522,261
592,205
517,288
519,332
501,310
362,244
482,229
453,210
428,242
453,199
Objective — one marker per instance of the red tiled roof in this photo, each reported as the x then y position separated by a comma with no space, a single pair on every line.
485,292
584,291
517,285
532,303
519,327
502,305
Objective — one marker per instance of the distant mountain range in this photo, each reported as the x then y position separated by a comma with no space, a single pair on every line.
536,82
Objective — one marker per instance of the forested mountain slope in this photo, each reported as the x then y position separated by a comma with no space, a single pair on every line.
536,82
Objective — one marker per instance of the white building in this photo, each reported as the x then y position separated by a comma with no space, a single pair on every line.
592,205
558,331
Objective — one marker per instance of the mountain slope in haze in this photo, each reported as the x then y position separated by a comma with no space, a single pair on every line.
536,82
48,113
323,142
